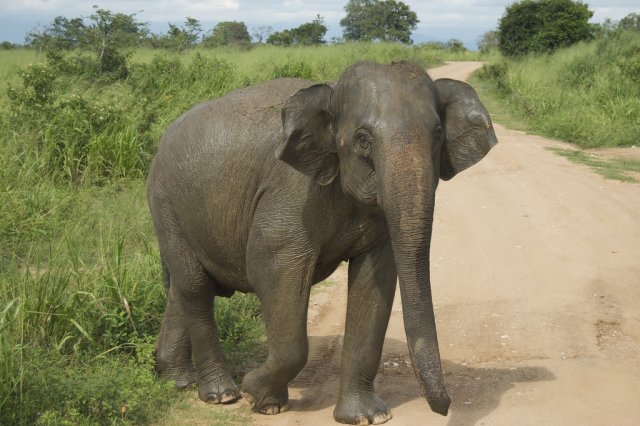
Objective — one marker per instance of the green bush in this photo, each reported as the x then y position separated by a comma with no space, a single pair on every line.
60,390
72,137
39,83
497,74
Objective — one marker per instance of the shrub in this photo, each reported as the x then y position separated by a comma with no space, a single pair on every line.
498,74
74,137
57,390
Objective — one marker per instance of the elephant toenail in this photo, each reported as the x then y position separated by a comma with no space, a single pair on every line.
250,399
381,418
228,397
271,409
361,421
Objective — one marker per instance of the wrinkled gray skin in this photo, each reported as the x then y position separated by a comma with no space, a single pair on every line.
269,188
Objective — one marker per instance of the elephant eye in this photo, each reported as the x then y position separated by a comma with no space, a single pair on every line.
439,133
363,142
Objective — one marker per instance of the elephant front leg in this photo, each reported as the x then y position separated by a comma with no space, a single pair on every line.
284,292
372,284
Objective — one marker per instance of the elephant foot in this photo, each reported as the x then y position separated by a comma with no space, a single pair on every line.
264,398
219,391
362,410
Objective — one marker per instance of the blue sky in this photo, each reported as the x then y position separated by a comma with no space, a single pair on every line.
466,20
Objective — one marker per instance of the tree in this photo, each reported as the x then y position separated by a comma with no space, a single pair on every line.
62,33
67,33
7,45
306,34
455,45
261,33
630,22
192,30
39,37
543,26
180,38
488,41
310,33
387,20
227,33
606,28
111,32
280,38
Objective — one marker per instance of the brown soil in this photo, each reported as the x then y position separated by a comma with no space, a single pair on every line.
536,282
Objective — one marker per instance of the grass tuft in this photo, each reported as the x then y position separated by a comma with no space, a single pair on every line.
616,169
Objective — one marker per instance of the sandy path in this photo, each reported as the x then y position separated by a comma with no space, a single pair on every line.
536,282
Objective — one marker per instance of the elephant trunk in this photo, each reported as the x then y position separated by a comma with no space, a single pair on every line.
407,195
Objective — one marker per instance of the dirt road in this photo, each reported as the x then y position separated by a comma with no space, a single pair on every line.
536,283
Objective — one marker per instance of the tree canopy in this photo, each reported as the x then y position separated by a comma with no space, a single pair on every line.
488,41
306,34
630,22
387,20
105,29
543,26
228,32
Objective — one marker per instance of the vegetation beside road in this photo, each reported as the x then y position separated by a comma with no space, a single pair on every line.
587,94
81,297
624,170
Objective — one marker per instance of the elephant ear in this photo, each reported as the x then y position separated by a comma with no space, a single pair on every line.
308,144
469,134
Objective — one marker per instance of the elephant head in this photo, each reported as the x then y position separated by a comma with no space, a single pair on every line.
389,133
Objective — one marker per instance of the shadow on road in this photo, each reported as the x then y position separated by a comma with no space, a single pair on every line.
475,391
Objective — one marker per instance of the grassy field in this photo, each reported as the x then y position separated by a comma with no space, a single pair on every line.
80,281
587,94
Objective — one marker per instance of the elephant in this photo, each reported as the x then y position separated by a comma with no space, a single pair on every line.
269,188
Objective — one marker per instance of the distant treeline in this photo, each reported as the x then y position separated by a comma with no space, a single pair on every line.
365,20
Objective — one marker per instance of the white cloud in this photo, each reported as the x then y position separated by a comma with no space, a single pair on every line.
71,8
451,19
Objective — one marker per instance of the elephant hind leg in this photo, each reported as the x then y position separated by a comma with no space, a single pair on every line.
173,346
194,292
188,349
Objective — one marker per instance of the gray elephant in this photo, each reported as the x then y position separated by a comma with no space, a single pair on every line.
269,188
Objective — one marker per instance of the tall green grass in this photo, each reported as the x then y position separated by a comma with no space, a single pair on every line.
588,94
319,63
81,297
